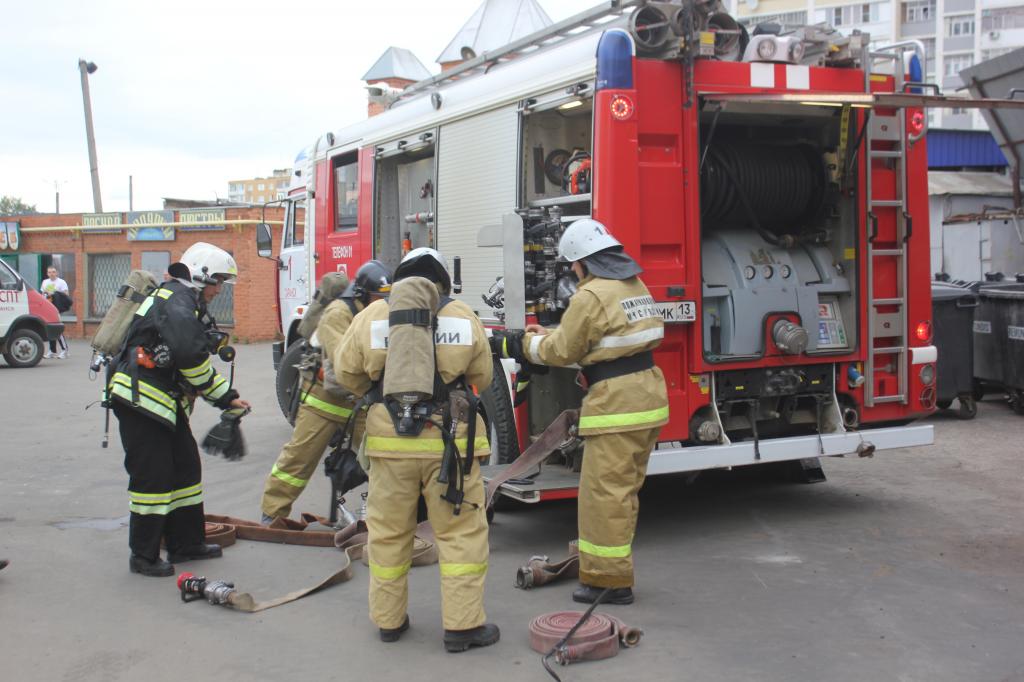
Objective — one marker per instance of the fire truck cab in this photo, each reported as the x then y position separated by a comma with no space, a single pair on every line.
773,187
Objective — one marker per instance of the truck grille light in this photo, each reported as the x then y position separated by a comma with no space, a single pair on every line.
923,331
928,397
927,374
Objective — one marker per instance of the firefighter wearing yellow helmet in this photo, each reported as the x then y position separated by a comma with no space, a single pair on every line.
324,405
412,354
609,329
164,364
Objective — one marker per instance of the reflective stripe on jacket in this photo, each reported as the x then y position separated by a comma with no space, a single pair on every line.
169,316
331,329
359,362
609,319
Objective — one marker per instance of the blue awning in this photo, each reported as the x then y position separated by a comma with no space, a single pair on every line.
963,149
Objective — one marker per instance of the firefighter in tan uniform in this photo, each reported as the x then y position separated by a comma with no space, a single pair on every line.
403,466
609,329
324,407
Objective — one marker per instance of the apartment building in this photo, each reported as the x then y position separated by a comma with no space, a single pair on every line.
260,190
956,33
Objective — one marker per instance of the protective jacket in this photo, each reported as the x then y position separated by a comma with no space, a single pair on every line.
608,320
169,330
462,354
317,395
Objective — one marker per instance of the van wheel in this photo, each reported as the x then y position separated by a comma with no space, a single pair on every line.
499,416
287,380
24,348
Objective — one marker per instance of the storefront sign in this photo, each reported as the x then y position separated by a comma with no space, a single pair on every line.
155,233
101,219
9,236
196,219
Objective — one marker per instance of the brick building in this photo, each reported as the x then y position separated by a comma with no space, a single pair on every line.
95,257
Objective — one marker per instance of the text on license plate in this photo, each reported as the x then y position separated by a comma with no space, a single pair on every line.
677,311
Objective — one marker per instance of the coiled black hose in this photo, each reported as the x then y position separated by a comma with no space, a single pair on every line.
775,188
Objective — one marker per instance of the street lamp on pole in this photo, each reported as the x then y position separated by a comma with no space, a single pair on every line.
86,68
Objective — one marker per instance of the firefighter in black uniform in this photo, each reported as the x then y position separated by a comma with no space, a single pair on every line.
164,365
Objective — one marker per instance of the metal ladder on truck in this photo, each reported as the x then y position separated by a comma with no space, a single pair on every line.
888,326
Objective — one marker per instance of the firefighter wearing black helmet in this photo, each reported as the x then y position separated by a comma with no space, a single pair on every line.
402,466
324,406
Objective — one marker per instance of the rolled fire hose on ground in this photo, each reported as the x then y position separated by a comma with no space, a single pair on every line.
599,636
540,571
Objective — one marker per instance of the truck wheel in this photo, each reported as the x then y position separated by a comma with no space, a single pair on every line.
499,416
968,407
287,381
24,348
943,404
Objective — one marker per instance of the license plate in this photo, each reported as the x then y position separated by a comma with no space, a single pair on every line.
677,311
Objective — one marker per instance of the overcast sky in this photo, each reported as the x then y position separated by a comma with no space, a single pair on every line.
190,94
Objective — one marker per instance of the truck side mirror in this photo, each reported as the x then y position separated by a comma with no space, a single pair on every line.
264,241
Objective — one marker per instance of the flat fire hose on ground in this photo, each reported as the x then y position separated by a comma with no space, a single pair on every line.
553,436
351,540
539,570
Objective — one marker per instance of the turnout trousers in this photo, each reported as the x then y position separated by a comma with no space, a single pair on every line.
297,461
395,486
614,466
164,490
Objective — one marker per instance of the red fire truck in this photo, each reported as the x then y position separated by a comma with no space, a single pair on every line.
772,185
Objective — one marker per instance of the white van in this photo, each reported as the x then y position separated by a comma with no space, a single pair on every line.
27,320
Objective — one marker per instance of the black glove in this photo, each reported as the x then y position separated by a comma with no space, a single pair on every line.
508,344
226,437
343,468
522,386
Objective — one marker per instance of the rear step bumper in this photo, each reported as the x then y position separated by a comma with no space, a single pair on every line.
558,483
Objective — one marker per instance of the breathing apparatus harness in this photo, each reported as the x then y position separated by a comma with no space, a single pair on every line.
157,355
449,405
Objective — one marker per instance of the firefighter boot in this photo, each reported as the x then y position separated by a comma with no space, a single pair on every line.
158,568
588,594
394,634
461,640
194,552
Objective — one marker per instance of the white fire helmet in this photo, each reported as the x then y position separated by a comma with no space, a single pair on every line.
207,262
425,262
583,238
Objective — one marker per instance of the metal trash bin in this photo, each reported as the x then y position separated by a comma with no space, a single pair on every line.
952,315
999,340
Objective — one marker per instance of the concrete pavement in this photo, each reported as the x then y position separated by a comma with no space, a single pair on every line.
907,566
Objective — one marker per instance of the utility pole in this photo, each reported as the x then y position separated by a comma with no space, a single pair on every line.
130,203
85,68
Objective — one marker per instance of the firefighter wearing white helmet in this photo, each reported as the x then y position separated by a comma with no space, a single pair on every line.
609,329
163,366
393,353
209,264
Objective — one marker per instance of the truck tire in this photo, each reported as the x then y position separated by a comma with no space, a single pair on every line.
24,348
499,416
287,380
